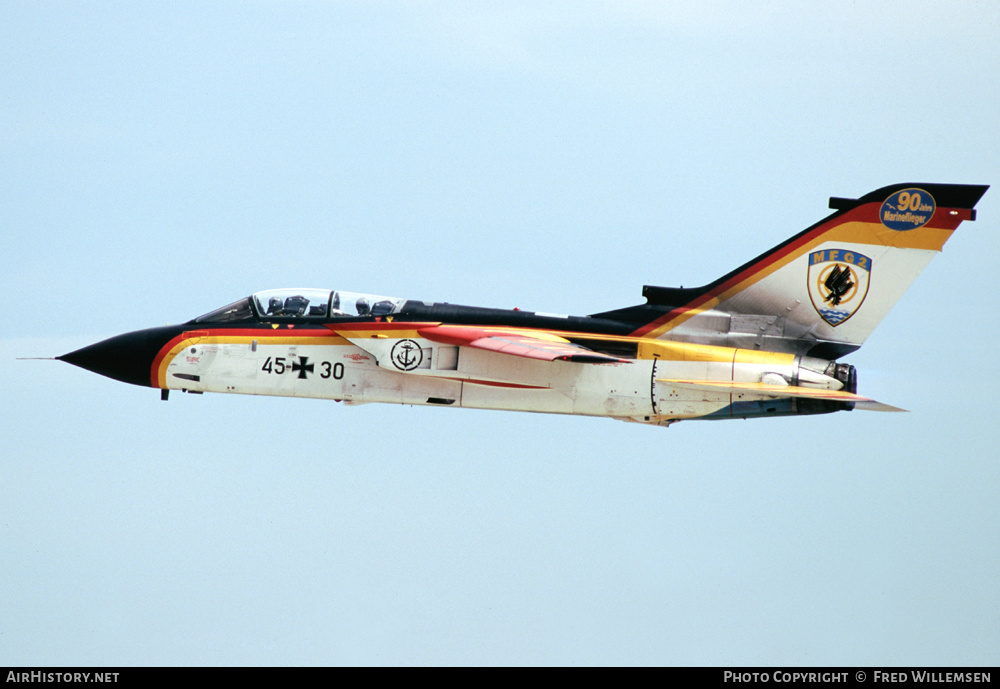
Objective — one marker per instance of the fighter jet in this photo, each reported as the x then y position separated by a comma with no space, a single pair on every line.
763,340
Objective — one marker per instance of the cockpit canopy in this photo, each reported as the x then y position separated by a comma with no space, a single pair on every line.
303,304
292,303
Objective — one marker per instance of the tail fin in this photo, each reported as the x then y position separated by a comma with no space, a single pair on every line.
823,291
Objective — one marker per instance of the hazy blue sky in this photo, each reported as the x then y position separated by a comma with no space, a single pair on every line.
163,159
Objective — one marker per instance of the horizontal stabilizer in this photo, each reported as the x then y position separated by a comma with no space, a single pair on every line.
772,390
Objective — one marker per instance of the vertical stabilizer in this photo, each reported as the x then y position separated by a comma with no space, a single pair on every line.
826,289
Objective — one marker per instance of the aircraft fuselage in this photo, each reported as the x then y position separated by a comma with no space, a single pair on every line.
359,361
761,340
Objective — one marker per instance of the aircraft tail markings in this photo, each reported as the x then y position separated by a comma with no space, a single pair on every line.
829,286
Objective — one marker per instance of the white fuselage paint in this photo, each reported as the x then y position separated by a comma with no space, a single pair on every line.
461,377
347,372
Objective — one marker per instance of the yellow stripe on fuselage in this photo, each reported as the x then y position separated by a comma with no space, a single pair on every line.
647,348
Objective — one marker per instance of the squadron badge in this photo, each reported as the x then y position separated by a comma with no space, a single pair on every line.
838,283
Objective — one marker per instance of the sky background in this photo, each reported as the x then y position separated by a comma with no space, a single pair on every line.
160,160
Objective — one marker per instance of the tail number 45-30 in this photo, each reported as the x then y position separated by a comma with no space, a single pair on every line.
279,365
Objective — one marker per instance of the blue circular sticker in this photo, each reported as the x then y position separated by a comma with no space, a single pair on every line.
907,209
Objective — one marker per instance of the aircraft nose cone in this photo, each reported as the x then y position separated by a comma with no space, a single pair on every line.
127,357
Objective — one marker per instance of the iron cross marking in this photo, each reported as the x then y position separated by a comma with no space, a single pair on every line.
303,367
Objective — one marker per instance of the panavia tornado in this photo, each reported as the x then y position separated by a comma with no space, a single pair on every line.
763,340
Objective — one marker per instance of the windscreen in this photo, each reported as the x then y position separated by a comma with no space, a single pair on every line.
237,311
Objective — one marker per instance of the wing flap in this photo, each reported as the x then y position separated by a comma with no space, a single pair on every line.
771,390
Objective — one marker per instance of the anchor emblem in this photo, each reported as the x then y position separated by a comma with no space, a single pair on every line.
406,355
